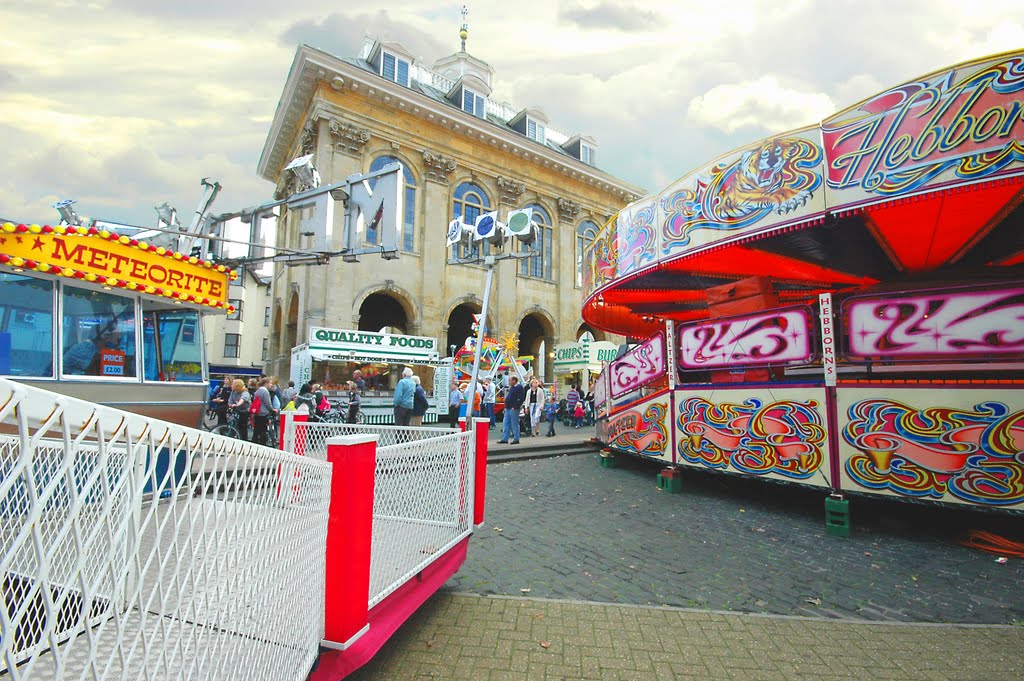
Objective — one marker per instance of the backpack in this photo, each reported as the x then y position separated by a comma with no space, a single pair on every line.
324,404
254,408
275,402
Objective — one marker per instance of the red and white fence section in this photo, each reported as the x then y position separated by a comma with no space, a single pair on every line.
134,548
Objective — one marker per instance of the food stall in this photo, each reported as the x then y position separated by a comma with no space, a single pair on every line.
333,356
840,306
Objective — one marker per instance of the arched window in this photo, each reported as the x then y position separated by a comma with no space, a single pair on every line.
468,203
586,231
539,264
407,242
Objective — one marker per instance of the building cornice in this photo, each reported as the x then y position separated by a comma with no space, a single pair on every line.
311,67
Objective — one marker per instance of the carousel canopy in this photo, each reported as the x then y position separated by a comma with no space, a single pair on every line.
921,183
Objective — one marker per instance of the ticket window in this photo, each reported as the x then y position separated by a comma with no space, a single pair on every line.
98,334
26,326
172,345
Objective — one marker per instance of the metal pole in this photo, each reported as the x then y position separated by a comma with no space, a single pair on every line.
471,397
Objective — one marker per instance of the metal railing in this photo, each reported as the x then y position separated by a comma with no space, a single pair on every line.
134,548
423,494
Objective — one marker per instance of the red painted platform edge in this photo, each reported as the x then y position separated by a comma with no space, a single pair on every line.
388,615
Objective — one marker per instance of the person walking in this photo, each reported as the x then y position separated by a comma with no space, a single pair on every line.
221,399
572,398
420,403
513,403
551,414
535,406
404,393
261,417
490,395
454,400
238,404
289,394
578,415
354,402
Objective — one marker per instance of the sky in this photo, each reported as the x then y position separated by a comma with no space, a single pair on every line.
125,104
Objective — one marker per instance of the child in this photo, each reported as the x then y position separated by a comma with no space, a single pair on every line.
578,413
550,413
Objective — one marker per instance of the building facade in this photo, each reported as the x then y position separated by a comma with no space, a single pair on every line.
238,344
463,154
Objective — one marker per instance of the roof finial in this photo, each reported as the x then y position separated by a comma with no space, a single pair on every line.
464,29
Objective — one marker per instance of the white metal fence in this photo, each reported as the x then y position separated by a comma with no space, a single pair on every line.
134,548
423,494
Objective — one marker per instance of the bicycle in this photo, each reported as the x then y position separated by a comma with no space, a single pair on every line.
338,413
231,429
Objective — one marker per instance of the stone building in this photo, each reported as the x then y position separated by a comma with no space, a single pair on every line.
463,153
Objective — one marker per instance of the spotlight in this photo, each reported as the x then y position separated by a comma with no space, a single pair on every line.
167,214
68,216
305,171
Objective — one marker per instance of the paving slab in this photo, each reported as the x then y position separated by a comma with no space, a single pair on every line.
585,572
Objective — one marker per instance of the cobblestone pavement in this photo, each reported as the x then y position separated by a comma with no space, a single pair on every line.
461,637
565,528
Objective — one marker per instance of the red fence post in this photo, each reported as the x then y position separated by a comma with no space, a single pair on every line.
480,481
292,439
353,461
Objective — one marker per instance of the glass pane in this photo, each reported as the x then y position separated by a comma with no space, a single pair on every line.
98,334
172,346
389,67
26,326
403,72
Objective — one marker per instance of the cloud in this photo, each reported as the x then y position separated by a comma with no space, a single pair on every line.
342,34
610,16
764,103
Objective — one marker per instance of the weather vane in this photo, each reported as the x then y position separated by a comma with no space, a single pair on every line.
464,29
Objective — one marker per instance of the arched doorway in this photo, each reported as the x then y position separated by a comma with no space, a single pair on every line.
534,331
383,312
595,334
460,326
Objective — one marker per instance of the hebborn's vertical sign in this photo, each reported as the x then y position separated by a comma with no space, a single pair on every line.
828,339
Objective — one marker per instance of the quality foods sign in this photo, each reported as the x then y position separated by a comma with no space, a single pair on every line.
368,343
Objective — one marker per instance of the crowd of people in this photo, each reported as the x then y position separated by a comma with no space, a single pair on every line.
533,404
249,407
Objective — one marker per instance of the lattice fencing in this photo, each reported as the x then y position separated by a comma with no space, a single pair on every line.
422,506
311,438
423,494
134,548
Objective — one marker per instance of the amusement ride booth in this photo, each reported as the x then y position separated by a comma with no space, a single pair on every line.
840,306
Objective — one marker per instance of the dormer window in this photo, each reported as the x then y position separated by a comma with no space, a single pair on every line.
472,103
535,130
587,153
394,69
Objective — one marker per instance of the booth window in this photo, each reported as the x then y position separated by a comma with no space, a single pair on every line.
231,343
172,345
586,232
408,242
26,326
98,333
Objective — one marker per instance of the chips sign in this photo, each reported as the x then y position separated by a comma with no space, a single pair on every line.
570,357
